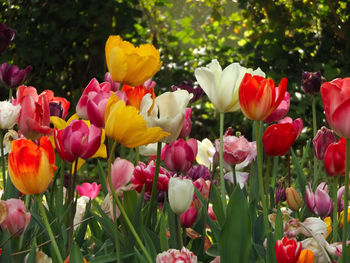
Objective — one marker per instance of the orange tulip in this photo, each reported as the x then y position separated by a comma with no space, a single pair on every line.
135,94
258,96
306,256
31,166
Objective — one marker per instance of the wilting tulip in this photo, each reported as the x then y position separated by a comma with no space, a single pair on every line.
188,85
77,140
126,126
203,187
294,200
188,218
136,94
334,158
322,140
180,194
259,97
281,110
221,86
58,106
10,136
11,76
8,114
94,88
180,155
167,111
7,34
320,203
174,255
17,218
131,65
89,190
311,82
287,250
187,126
335,96
31,166
121,174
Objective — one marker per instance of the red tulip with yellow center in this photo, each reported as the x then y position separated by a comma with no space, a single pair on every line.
31,166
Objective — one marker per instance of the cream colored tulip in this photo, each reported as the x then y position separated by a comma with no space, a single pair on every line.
206,152
8,114
168,112
221,86
180,193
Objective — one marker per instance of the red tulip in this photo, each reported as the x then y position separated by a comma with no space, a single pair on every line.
334,158
136,94
258,96
336,101
297,124
287,250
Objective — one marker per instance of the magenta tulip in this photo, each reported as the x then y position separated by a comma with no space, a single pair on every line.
322,140
11,76
320,203
188,218
114,85
187,127
89,190
121,173
96,107
281,110
17,218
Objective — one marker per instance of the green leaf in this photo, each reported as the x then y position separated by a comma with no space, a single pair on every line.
270,250
102,176
217,204
300,174
164,246
75,254
279,225
32,255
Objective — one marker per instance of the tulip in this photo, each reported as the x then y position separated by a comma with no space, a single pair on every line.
8,114
93,87
77,140
188,85
126,126
31,166
114,85
281,110
40,257
297,124
136,94
198,171
334,158
340,201
180,194
96,107
287,250
259,97
335,96
7,34
294,200
174,255
319,203
203,187
280,193
188,218
322,140
311,82
207,154
221,86
17,218
306,256
187,126
180,155
11,76
58,106
89,190
121,173
131,65
3,210
34,117
10,136
167,111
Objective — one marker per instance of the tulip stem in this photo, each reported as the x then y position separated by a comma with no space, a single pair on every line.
260,174
314,130
221,162
10,94
346,200
137,155
48,228
2,160
335,209
178,231
26,203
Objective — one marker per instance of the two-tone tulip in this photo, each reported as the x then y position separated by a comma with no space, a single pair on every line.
320,203
287,250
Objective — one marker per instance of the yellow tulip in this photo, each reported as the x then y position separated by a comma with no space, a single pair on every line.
129,64
125,125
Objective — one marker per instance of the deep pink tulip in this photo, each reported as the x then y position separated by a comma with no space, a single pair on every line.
114,85
187,127
322,140
320,203
34,117
77,140
89,190
297,124
281,110
11,76
180,155
188,218
17,218
96,107
93,86
121,173
334,158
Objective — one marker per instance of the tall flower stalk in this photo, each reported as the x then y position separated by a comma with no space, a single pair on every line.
346,200
221,161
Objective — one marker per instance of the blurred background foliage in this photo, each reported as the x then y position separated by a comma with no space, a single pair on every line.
64,42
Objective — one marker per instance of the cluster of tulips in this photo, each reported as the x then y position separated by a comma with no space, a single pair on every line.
193,200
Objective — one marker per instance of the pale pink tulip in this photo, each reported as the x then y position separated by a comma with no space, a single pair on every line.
121,173
174,256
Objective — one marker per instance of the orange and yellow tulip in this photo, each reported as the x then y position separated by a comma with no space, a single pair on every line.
31,166
306,256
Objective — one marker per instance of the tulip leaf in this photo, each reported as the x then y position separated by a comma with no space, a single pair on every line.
75,254
259,230
171,224
102,176
279,225
32,255
217,204
270,250
151,241
235,239
300,174
164,246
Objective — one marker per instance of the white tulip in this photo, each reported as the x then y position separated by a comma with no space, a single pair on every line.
221,86
8,114
180,193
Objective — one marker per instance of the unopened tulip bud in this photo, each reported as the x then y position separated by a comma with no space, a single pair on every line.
280,193
189,217
294,200
322,140
180,194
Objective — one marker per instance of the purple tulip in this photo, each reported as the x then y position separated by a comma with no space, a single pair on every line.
6,36
199,171
319,203
322,140
280,193
311,82
11,76
188,85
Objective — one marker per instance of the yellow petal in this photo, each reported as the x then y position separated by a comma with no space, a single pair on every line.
58,122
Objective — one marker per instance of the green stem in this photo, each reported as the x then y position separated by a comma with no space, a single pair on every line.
10,94
260,174
48,228
2,159
26,203
137,155
335,209
178,231
221,162
346,200
314,130
117,247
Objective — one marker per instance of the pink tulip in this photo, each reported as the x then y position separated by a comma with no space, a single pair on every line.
297,124
188,218
174,256
180,155
34,117
96,107
77,140
187,127
114,85
319,203
121,173
322,140
89,190
340,201
17,218
95,87
281,110
203,187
